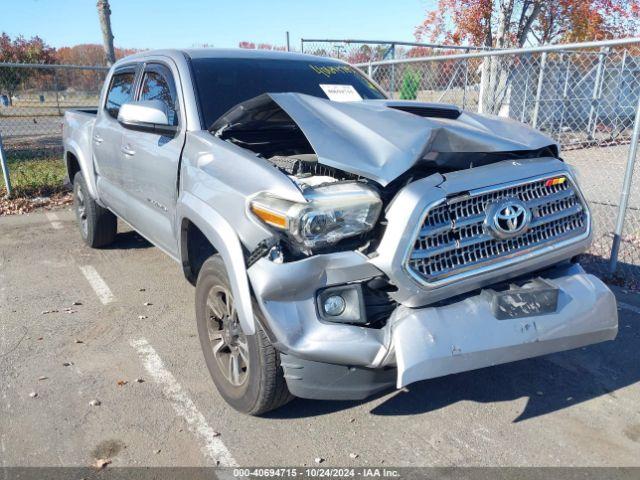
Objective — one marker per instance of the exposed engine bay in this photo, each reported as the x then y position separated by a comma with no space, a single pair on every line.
278,128
306,171
329,148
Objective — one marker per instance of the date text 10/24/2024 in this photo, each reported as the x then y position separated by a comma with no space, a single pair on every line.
317,472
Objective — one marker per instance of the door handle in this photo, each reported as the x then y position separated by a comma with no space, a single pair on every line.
98,139
127,150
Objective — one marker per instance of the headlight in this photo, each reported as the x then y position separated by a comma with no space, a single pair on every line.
332,212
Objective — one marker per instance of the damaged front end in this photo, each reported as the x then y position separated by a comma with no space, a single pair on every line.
373,140
383,274
377,147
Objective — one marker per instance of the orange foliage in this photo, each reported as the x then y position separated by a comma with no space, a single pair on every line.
88,54
84,54
457,21
475,21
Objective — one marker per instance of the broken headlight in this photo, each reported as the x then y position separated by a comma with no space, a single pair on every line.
331,213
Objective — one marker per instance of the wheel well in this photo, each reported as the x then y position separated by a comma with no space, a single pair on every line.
196,248
73,166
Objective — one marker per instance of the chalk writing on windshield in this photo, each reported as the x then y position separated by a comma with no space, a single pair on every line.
329,70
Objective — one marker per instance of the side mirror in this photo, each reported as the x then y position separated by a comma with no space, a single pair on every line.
146,116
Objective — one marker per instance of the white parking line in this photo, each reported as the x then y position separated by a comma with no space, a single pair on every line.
97,283
212,447
55,221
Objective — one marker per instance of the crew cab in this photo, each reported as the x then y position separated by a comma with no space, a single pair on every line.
340,242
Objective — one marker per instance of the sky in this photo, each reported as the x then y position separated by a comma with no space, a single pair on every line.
217,23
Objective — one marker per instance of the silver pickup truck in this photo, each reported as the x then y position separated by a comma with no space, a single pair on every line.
340,242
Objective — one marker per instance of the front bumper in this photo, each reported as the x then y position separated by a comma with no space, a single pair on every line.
416,343
432,342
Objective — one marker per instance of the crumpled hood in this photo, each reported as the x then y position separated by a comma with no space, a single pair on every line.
371,139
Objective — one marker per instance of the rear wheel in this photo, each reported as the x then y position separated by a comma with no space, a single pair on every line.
245,368
98,226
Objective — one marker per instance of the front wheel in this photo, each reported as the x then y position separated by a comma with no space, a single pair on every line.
245,368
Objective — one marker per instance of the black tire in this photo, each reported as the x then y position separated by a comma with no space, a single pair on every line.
260,387
98,226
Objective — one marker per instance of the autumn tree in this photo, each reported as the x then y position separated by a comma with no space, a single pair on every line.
21,50
514,23
90,54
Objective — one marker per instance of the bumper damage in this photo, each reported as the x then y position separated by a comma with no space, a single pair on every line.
432,342
330,360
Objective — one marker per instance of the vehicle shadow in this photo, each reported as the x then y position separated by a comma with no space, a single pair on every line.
128,241
627,274
552,382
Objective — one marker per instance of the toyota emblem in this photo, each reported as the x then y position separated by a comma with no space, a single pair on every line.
508,218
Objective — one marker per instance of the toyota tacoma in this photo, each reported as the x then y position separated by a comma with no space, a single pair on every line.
340,242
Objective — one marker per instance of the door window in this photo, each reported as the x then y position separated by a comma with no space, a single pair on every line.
157,84
120,92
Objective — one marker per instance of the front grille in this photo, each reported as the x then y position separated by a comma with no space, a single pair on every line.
454,237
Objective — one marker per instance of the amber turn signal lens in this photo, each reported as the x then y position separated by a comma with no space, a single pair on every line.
269,217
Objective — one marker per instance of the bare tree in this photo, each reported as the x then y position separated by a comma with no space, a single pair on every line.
104,14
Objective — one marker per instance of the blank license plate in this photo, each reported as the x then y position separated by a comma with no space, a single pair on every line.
537,298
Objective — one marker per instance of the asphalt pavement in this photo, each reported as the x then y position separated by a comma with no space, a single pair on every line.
99,360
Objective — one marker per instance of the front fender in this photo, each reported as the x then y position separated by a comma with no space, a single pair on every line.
226,242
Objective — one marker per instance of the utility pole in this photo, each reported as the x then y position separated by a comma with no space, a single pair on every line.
104,14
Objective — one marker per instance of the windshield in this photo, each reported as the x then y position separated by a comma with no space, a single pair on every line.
222,83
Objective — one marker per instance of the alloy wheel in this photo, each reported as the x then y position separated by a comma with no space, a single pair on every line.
228,343
81,211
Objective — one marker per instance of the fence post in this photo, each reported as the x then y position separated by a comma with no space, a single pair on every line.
536,107
565,91
626,188
466,80
483,84
55,87
5,169
597,91
523,108
619,83
393,70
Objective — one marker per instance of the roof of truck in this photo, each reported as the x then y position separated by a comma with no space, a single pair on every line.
230,53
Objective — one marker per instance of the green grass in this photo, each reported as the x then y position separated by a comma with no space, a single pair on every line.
33,177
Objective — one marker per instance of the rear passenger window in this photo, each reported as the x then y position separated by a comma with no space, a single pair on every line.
157,84
120,92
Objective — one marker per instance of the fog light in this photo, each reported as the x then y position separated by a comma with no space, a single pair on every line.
342,304
334,305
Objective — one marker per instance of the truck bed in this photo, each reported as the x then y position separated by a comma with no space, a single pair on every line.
77,129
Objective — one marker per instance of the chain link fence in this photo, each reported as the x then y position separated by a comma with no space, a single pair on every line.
363,51
585,96
581,98
33,99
